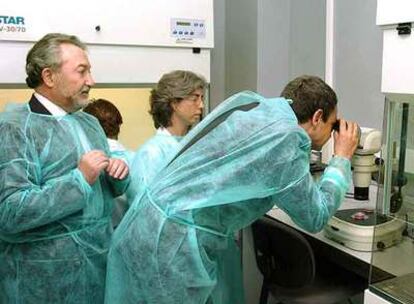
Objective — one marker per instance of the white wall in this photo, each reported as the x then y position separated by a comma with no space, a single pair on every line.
358,61
241,45
268,42
218,68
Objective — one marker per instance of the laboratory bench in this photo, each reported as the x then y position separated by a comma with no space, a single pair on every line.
358,262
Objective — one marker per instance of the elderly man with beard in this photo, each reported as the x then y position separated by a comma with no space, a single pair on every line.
57,183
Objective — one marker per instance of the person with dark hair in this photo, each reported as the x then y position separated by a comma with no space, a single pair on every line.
176,244
314,104
57,183
176,104
110,120
108,116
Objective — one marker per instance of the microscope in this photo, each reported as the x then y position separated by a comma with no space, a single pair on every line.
363,162
354,228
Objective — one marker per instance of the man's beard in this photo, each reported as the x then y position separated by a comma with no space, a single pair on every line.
80,101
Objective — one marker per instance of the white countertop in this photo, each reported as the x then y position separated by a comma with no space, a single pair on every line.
403,252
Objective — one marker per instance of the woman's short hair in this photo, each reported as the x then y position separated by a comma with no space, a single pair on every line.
172,87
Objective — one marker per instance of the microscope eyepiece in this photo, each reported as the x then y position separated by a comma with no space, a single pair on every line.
335,127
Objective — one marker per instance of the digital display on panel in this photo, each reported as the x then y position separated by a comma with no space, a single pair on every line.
183,23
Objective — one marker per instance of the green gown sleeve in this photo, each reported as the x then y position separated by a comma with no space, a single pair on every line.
26,202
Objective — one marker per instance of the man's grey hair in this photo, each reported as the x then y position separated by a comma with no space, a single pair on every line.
46,54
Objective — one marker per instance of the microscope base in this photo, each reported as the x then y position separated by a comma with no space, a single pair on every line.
348,228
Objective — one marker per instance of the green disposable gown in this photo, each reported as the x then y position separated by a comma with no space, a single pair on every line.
149,159
55,228
176,245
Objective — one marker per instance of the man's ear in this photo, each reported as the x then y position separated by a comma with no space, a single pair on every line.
48,77
317,117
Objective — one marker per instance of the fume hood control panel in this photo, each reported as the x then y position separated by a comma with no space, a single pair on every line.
188,28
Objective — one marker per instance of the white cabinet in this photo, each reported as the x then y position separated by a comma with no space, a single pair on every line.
123,22
130,41
398,45
394,11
